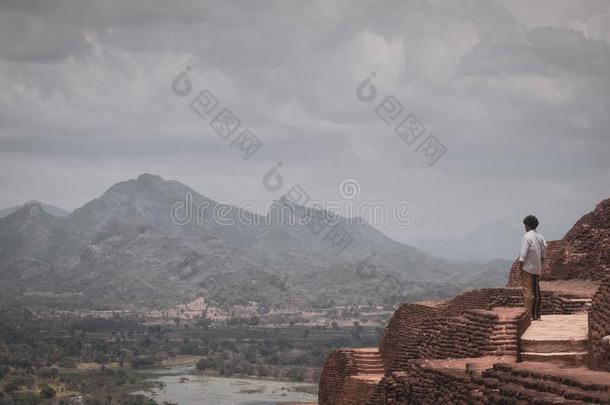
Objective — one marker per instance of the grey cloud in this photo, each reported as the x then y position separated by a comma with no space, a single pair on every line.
90,81
29,38
570,50
546,51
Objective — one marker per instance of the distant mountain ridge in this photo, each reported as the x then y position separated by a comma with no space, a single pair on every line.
49,209
122,248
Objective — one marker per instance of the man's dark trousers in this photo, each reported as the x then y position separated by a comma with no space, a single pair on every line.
531,293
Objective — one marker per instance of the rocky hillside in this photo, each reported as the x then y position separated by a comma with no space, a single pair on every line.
124,248
49,209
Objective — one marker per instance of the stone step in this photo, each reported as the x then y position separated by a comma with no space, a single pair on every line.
366,350
519,393
558,339
366,354
569,392
502,352
378,365
509,346
559,358
580,377
371,371
369,361
580,300
554,346
505,342
503,337
506,322
505,328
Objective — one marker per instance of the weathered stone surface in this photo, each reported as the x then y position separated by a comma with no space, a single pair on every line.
400,341
350,376
599,327
491,380
338,367
417,331
587,250
557,338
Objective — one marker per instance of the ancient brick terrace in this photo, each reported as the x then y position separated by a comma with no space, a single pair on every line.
481,348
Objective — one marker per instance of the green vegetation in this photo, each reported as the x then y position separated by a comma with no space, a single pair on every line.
39,354
294,353
48,356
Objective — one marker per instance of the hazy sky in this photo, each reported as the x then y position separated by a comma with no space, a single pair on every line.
517,91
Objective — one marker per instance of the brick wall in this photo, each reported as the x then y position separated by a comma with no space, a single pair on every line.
425,385
476,381
400,341
392,389
355,391
455,336
588,245
599,326
338,367
451,329
475,299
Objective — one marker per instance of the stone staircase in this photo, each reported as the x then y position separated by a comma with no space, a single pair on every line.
559,339
368,361
576,305
544,383
504,338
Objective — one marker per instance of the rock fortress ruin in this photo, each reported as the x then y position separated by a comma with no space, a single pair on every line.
481,348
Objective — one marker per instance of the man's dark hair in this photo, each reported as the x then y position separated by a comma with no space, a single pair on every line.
531,221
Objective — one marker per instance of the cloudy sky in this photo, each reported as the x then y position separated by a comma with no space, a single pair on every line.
517,91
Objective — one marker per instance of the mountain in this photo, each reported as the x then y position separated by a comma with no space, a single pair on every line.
130,247
489,241
49,209
29,239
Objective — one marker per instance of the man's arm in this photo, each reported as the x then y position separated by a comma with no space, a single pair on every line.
523,251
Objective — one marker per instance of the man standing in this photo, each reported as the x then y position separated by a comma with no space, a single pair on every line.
531,258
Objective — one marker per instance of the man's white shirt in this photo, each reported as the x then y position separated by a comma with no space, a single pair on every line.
533,250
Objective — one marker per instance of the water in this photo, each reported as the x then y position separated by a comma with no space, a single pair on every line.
184,387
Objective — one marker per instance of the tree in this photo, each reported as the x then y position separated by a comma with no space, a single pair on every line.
204,364
356,330
11,387
296,374
3,370
47,372
47,392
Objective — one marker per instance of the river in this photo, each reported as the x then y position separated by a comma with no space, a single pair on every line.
184,387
